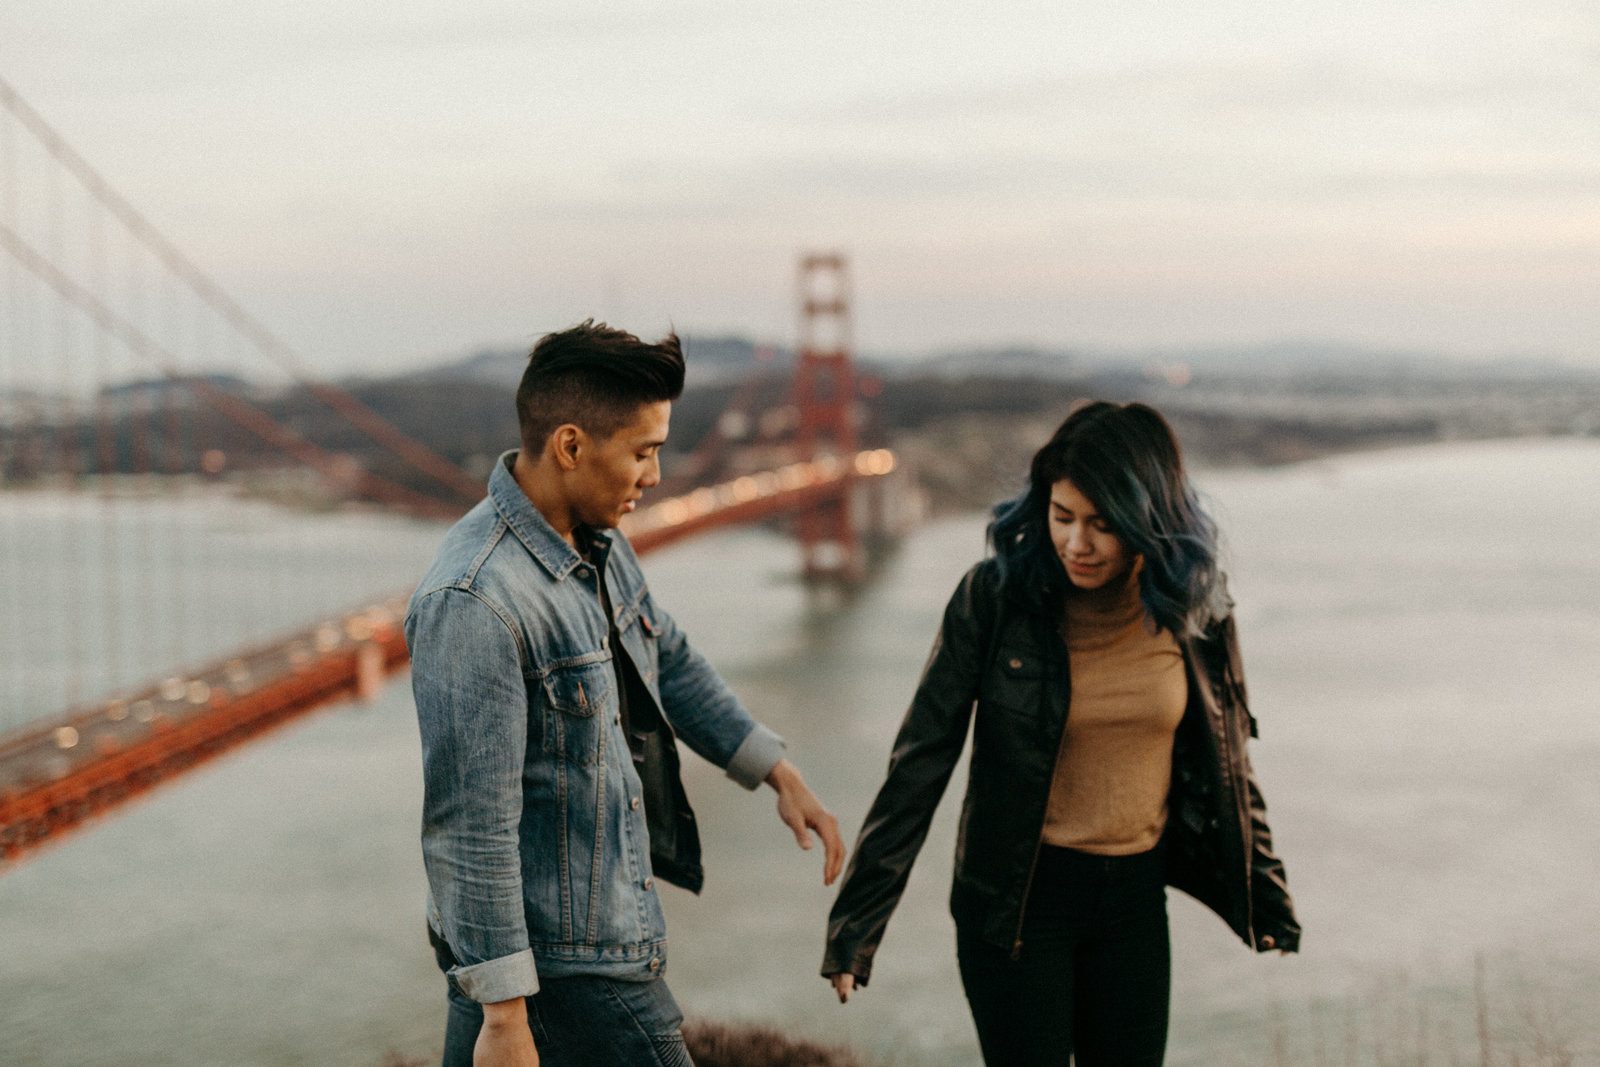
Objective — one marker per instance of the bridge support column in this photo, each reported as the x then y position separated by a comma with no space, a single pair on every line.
825,394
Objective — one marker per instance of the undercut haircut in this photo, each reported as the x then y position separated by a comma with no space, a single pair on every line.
595,378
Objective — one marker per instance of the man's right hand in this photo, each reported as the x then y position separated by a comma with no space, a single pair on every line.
505,1040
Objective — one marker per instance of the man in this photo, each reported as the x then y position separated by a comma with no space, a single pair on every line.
550,687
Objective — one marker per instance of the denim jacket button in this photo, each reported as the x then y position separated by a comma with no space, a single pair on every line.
634,804
655,964
649,883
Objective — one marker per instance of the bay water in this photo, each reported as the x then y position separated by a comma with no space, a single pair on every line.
1421,632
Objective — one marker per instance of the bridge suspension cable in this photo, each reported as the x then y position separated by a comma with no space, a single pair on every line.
135,528
334,468
269,345
157,591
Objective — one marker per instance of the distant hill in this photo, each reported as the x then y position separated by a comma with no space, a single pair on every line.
709,359
714,359
1278,360
965,421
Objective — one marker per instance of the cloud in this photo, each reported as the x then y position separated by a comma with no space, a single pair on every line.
1286,160
1276,84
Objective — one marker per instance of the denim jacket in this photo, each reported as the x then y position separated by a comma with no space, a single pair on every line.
533,827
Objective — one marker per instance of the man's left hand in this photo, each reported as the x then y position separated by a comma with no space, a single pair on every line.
802,812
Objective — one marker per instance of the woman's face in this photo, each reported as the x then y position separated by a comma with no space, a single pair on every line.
1092,554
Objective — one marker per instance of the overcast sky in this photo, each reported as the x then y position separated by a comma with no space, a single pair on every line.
386,184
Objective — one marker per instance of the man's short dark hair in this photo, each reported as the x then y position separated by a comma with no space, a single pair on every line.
594,377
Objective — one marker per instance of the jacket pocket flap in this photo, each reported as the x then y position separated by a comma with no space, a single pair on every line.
580,690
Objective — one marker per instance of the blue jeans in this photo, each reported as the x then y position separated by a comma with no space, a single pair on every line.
1092,983
585,1021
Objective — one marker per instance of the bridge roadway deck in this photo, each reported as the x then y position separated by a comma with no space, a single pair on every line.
57,776
60,774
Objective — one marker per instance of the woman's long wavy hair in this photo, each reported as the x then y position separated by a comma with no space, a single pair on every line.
1126,460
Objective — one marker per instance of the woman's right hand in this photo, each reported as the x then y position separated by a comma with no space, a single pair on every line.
844,985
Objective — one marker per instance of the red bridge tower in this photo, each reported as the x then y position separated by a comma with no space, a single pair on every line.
825,394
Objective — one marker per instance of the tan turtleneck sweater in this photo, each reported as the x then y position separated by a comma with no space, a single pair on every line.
1129,689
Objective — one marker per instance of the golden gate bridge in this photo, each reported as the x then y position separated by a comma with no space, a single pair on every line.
129,378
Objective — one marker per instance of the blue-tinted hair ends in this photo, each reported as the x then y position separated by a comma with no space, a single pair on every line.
1125,459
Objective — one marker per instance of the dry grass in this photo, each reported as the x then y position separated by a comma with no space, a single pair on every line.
395,1059
713,1044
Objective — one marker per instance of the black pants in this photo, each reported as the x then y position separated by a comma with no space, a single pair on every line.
1095,974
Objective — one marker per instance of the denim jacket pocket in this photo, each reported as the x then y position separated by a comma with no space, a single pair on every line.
573,696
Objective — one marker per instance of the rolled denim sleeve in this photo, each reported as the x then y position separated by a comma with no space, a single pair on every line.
755,757
704,711
472,712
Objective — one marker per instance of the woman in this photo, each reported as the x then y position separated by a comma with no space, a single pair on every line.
1103,594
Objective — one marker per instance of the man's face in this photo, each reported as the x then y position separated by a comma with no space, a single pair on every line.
613,473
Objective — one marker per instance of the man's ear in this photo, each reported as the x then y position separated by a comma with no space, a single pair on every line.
566,445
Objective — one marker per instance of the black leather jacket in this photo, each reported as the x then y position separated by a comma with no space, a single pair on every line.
1000,652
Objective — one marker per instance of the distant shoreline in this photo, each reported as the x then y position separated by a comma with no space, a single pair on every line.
970,463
